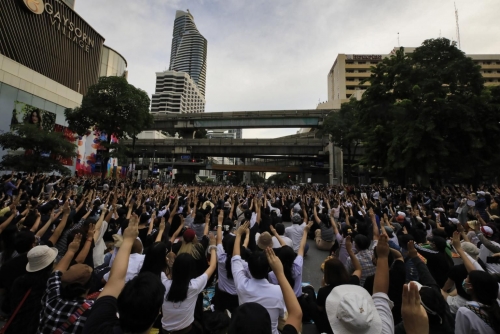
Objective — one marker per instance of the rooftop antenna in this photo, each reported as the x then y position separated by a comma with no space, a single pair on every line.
398,41
439,33
458,27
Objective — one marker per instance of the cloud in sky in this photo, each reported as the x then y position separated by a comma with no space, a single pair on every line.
265,55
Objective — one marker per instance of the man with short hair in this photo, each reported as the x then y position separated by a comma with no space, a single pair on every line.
256,288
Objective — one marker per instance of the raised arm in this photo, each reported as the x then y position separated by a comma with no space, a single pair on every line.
291,302
98,225
161,230
237,242
62,224
45,227
303,241
178,231
116,280
219,227
34,228
213,257
381,281
70,253
86,247
354,260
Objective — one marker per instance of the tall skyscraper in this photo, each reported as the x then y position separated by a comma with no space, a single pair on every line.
189,49
181,89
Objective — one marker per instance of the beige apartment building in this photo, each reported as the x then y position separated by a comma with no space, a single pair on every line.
349,70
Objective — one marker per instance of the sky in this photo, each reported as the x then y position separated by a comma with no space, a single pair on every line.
276,54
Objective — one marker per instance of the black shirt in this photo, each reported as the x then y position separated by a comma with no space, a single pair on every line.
9,272
102,318
397,279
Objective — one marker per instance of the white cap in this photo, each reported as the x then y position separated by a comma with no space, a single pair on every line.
454,221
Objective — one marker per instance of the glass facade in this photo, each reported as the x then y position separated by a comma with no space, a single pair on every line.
112,63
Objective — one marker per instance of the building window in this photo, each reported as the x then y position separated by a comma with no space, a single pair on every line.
349,62
361,62
349,71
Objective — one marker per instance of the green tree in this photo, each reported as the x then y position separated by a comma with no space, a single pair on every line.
343,130
256,178
114,107
425,114
35,150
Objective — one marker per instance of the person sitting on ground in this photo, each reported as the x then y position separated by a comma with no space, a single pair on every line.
324,235
351,309
256,288
335,274
64,307
181,293
138,301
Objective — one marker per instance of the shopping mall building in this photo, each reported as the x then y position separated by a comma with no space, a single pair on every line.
49,56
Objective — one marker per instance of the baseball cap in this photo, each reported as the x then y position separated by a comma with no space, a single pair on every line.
454,221
487,231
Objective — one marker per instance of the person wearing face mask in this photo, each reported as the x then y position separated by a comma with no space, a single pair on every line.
482,313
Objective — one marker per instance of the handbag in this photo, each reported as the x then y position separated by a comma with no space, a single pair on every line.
11,318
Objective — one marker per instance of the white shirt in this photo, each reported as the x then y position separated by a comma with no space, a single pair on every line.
177,316
276,243
100,246
298,263
135,262
251,290
384,306
295,232
467,322
225,284
287,240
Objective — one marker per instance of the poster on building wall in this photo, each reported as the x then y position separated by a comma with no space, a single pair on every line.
25,113
89,159
69,136
46,120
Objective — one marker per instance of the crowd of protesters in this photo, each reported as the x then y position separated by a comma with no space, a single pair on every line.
85,255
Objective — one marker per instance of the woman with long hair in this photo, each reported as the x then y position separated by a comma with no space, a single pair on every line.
182,293
334,274
482,314
35,117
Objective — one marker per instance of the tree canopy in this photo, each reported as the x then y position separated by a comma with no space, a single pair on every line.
114,107
35,150
426,115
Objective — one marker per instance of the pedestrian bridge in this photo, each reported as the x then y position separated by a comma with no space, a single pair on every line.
229,147
300,118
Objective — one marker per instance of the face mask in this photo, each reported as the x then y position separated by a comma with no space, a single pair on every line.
463,285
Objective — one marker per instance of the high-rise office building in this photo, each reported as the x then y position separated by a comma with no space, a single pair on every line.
181,89
345,78
189,49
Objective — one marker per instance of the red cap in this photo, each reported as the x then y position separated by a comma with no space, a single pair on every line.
189,235
400,219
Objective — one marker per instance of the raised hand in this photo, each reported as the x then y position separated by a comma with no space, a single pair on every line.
75,244
241,230
412,252
274,262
